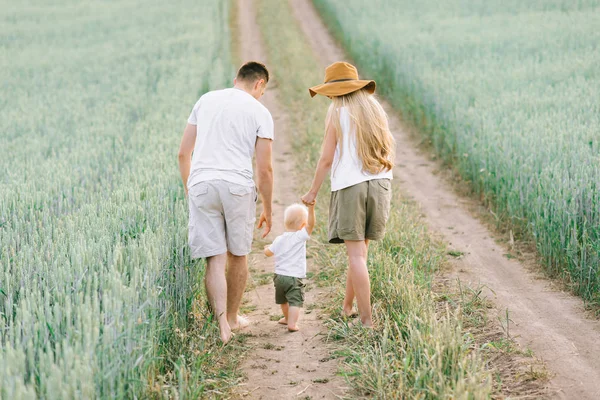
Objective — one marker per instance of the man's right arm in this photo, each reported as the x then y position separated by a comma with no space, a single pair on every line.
188,141
264,172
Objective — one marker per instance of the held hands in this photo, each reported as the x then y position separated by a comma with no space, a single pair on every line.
309,199
265,218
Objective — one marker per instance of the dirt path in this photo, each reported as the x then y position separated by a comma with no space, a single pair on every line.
281,365
551,323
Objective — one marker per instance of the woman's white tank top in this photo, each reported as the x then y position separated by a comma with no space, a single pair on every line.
347,169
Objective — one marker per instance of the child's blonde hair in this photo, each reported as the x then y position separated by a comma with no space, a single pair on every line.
294,216
375,143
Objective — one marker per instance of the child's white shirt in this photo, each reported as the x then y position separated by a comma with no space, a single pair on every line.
290,253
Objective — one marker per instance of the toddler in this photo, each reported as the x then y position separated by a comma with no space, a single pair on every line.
289,250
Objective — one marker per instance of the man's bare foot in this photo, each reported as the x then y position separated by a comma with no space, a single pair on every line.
241,323
226,333
283,321
293,328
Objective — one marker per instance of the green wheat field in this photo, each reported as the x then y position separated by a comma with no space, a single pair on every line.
93,222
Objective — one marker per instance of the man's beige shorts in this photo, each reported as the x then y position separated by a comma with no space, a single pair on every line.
360,212
222,216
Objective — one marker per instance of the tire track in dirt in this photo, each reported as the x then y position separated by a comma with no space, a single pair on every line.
280,365
552,323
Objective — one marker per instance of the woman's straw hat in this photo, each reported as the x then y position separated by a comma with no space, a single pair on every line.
341,78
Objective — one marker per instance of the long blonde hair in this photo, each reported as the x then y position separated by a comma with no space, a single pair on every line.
375,144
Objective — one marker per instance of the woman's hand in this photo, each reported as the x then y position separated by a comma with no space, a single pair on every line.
309,198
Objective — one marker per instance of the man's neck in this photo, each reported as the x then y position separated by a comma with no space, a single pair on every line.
242,88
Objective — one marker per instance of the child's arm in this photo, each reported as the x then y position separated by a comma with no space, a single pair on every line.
311,218
268,251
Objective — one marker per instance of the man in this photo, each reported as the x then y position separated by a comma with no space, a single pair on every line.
225,129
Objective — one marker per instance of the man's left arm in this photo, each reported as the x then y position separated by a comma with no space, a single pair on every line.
188,141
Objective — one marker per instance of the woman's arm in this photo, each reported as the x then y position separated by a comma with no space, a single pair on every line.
324,165
310,225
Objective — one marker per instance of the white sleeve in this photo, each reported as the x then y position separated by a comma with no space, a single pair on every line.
265,127
275,246
303,235
193,118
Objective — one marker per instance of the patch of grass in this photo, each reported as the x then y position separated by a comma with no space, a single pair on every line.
98,294
455,253
264,279
271,346
247,308
400,357
503,344
201,366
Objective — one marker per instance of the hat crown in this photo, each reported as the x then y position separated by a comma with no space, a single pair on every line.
340,70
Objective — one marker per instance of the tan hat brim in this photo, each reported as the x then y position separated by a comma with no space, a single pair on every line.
342,88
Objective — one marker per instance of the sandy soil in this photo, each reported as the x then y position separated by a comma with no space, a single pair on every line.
281,365
551,323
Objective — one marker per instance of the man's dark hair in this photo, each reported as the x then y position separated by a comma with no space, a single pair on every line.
253,71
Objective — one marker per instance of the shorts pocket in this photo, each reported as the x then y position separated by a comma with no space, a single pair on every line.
198,190
385,184
385,199
240,190
197,195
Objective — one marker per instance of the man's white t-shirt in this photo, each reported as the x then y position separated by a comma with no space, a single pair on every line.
228,122
290,253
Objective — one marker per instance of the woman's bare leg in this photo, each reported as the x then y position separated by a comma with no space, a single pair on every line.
349,296
357,269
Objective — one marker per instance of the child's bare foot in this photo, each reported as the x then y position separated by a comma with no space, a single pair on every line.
283,321
241,323
293,328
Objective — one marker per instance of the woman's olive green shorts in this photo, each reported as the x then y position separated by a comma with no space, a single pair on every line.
288,289
360,212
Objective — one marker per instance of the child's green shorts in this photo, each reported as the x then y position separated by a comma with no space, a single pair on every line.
289,289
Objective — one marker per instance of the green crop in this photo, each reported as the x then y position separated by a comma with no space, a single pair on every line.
93,222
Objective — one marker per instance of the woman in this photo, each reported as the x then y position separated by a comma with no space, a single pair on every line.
359,150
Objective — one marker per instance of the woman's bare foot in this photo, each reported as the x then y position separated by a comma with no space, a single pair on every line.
283,321
293,328
360,324
241,323
349,313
